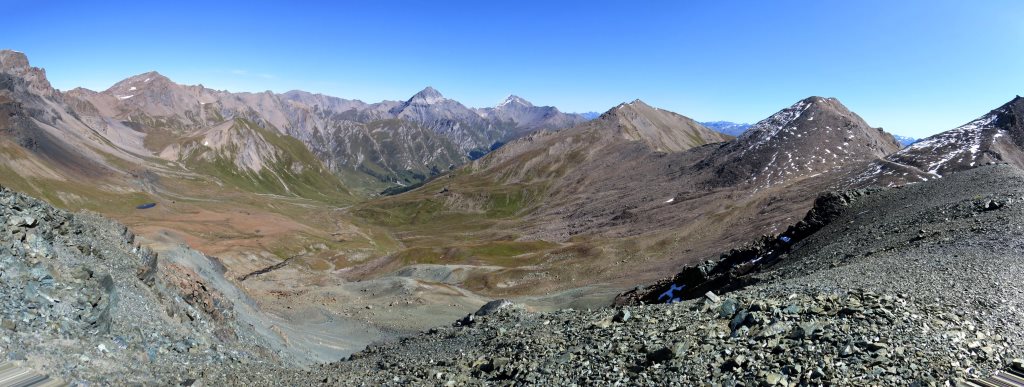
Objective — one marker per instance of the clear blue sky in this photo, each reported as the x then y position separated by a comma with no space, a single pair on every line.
913,67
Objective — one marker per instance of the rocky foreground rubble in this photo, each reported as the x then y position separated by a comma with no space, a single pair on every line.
81,302
857,337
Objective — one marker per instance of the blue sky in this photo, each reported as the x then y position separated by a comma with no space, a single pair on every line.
913,67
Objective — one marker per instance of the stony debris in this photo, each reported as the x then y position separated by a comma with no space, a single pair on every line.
851,337
80,300
733,269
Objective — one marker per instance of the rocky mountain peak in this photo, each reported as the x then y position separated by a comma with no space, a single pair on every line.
11,60
813,136
814,120
634,104
16,63
151,76
660,129
514,100
1014,108
624,107
427,96
147,80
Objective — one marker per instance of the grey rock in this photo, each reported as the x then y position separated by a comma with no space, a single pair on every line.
667,353
711,296
728,309
847,350
804,330
738,320
773,379
622,315
493,307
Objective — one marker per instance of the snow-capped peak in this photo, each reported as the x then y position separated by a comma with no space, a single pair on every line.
771,126
514,99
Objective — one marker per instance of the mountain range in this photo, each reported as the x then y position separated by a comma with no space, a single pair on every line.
567,176
373,145
726,127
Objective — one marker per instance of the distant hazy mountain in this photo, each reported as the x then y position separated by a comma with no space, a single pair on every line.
726,127
590,115
528,117
904,140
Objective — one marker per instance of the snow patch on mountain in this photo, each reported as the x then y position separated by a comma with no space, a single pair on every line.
964,142
766,129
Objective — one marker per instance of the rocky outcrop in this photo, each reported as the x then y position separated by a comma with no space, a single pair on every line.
16,63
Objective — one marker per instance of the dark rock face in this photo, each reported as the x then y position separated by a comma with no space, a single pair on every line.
730,271
493,307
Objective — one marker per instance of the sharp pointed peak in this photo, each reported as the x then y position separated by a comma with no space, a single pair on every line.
514,99
814,103
428,95
429,91
634,103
